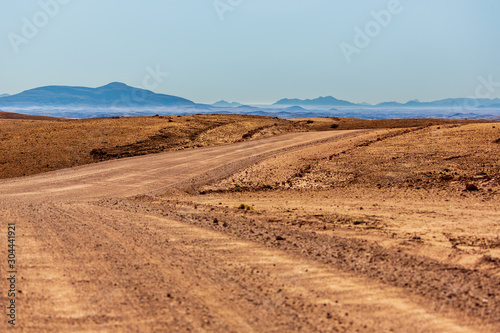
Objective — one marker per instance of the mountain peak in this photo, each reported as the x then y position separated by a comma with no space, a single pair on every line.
115,85
114,94
224,103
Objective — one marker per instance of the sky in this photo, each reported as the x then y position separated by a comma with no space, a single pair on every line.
256,51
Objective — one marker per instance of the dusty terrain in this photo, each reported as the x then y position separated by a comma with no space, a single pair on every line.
362,230
31,144
34,144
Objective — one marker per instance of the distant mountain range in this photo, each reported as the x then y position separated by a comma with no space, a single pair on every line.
224,104
120,95
330,101
320,101
116,94
445,103
118,99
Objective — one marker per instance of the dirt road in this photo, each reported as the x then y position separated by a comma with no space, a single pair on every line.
88,264
132,176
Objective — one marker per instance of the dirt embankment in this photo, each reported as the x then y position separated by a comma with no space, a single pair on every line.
19,116
447,157
335,123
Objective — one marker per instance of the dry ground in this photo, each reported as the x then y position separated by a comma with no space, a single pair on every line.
34,144
368,230
29,145
438,185
329,123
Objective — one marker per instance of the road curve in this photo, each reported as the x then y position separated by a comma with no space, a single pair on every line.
136,175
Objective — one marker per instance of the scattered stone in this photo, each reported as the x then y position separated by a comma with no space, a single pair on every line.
471,187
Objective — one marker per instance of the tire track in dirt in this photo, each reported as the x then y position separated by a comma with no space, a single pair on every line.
322,296
444,286
45,301
113,277
201,294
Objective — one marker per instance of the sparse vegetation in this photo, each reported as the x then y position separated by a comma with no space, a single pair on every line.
245,207
326,123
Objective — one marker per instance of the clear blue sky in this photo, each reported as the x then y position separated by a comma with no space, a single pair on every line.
262,51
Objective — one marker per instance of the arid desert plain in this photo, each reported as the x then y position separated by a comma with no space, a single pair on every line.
227,223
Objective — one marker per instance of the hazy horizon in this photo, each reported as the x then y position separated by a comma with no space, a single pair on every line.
257,52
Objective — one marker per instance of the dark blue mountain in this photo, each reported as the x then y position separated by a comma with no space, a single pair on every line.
246,107
112,95
224,104
4,95
295,109
389,104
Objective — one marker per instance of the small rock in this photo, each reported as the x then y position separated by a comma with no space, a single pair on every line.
471,187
